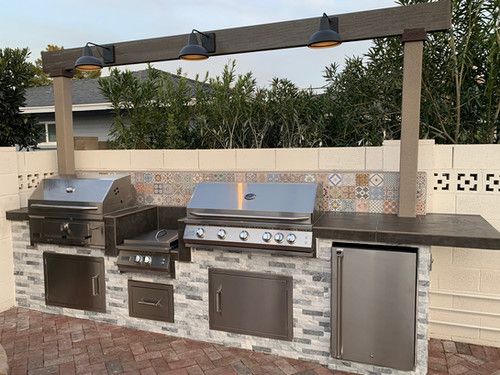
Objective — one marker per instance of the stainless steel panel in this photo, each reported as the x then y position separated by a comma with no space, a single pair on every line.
75,195
376,290
75,281
304,239
151,301
265,201
233,305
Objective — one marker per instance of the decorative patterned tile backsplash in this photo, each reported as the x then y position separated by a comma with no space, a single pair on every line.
374,192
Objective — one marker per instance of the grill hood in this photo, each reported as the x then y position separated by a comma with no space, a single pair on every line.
91,195
292,202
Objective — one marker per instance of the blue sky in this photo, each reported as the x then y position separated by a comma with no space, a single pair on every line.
36,23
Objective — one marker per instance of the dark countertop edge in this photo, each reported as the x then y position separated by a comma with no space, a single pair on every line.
19,214
418,232
346,233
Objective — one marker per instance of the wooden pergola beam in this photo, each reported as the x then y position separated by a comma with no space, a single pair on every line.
355,26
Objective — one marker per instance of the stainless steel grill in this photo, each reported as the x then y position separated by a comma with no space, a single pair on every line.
274,217
71,210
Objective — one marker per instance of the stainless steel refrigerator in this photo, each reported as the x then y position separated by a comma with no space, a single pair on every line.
373,304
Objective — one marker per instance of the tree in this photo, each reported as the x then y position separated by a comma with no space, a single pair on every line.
16,74
42,79
460,87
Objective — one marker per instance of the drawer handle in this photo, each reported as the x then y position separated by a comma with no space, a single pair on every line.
95,285
218,298
150,303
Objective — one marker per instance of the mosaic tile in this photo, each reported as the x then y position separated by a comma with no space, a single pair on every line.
390,207
310,177
391,179
334,192
391,193
348,192
334,204
148,177
376,179
377,192
362,205
349,179
376,206
335,179
348,205
362,192
273,177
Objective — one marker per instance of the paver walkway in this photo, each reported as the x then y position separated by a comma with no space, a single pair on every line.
42,344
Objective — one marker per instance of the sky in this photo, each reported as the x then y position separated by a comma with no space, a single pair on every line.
36,23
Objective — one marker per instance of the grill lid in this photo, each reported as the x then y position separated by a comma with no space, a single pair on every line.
72,189
256,201
100,194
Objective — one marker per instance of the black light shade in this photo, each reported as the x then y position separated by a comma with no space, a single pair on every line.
328,34
87,62
199,46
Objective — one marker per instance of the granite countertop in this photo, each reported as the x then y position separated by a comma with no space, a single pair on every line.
432,229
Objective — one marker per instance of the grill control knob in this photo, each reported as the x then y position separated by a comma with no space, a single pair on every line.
278,237
138,259
221,234
244,235
200,232
147,259
267,236
291,238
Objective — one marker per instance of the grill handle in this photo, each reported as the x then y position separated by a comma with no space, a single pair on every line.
259,217
61,206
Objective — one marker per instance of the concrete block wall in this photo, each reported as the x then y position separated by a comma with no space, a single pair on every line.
465,283
9,200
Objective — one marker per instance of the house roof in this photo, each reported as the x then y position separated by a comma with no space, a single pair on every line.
86,95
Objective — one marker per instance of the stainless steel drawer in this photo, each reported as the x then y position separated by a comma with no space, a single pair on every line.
151,301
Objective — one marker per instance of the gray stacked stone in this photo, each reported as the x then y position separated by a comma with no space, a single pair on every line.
311,298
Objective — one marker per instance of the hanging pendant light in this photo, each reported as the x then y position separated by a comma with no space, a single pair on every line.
87,62
327,35
199,46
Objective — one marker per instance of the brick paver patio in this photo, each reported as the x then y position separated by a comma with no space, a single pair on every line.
40,344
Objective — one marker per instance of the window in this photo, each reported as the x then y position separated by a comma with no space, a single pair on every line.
48,135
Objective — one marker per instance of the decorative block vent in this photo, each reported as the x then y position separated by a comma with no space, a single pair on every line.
29,181
463,181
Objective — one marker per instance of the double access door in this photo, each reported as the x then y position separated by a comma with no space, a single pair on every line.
251,303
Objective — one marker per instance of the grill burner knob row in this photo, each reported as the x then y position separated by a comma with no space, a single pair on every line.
291,238
244,235
200,233
267,236
221,234
278,237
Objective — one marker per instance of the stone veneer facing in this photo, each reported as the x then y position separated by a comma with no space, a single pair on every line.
311,298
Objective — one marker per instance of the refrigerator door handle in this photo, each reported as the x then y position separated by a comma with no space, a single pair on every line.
338,321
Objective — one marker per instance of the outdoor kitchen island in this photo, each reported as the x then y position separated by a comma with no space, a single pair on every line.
300,291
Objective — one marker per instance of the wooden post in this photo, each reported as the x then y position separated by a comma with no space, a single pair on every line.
63,103
410,120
